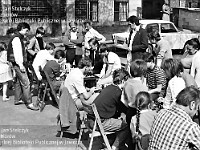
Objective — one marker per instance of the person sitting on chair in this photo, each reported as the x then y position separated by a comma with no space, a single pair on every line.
110,107
143,121
75,83
52,68
111,63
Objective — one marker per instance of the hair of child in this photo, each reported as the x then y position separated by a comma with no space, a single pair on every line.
143,99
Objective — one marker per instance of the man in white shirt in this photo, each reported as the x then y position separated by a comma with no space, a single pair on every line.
92,33
17,55
41,59
75,83
112,62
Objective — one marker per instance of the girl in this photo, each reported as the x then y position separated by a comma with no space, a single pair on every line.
5,71
142,122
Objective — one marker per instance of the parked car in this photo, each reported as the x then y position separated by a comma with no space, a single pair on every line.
166,29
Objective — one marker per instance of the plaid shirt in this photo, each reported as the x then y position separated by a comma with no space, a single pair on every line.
173,129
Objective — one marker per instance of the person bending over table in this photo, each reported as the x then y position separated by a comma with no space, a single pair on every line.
111,63
75,83
110,107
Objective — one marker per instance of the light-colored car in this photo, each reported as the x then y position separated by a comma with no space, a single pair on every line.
166,29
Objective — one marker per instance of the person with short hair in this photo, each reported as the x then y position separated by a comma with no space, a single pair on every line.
162,47
36,44
53,68
17,55
155,77
112,62
91,33
110,107
73,40
137,40
97,59
41,59
75,83
173,128
133,86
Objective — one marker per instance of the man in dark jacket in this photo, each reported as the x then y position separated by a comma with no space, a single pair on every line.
137,40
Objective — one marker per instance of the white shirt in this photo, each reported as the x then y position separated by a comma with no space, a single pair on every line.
113,59
175,85
91,34
75,83
17,51
195,68
41,60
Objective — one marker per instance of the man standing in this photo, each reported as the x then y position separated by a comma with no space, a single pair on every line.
137,40
92,33
173,128
73,40
18,56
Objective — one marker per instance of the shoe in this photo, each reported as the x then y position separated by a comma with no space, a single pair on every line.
19,102
32,107
5,99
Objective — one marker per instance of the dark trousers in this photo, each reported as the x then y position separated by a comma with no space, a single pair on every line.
77,59
22,86
70,55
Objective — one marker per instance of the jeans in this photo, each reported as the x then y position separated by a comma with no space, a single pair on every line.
22,86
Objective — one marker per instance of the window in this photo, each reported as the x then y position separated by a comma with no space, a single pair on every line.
94,10
151,27
167,28
120,10
81,8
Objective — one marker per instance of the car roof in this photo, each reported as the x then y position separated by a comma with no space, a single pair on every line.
148,21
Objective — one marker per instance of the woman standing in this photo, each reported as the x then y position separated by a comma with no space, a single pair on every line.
166,11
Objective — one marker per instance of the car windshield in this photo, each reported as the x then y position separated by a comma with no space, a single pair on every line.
167,28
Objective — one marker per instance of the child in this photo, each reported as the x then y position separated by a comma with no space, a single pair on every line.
155,77
142,122
5,71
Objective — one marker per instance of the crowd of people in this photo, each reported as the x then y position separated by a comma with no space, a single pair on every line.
155,94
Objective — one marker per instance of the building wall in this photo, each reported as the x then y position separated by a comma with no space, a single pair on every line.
189,19
106,12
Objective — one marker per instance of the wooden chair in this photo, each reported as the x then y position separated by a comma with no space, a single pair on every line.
46,85
101,131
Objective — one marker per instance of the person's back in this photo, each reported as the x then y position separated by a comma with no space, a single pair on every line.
41,60
173,128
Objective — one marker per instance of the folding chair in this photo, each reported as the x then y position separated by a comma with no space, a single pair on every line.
48,88
101,131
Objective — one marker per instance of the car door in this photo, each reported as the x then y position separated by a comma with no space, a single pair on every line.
169,32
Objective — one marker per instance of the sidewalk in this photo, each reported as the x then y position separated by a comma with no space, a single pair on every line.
22,128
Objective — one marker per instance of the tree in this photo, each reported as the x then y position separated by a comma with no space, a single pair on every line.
56,17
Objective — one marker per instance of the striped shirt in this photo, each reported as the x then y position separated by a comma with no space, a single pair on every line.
155,77
173,129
